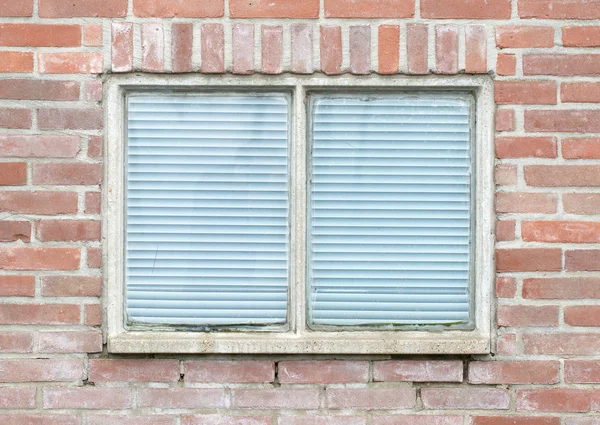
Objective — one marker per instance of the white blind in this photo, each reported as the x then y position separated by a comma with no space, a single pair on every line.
390,210
207,209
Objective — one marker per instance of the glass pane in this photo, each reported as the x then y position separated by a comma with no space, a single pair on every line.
207,209
390,210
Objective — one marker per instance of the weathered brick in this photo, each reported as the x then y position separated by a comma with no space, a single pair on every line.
527,315
559,9
369,9
71,286
17,286
360,49
370,398
12,230
446,49
505,230
15,118
581,36
223,371
584,92
465,9
528,259
561,64
561,231
417,38
27,202
67,174
475,49
581,148
95,146
31,89
505,175
272,49
41,370
515,420
243,49
94,256
93,34
323,372
40,35
92,314
582,371
526,147
39,314
514,372
416,420
131,419
389,49
302,48
70,342
561,343
331,50
16,8
37,258
278,398
562,120
15,341
212,40
524,37
38,146
521,202
153,47
215,419
506,287
71,63
178,8
525,92
122,46
181,47
16,62
82,8
143,370
87,398
70,118
13,173
17,398
505,120
182,398
418,371
93,203
506,344
274,9
40,419
556,399
562,175
561,288
465,398
506,64
582,315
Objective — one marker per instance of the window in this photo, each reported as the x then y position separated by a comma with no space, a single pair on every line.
340,215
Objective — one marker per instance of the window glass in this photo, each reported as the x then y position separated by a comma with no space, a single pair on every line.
207,209
390,209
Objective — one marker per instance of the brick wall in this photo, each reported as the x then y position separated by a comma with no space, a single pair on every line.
544,57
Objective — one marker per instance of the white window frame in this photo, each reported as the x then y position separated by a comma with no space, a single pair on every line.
299,339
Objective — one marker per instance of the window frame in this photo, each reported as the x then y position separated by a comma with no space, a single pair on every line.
299,339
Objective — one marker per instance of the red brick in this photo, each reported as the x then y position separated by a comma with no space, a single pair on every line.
95,146
16,342
40,35
331,50
131,419
526,147
563,120
528,259
506,64
323,372
38,202
87,398
70,118
581,148
562,175
17,398
561,231
302,48
178,8
93,202
370,398
143,370
15,118
13,173
389,49
465,398
181,47
446,49
70,342
223,371
67,174
516,202
515,420
16,62
581,203
215,419
275,398
153,47
287,419
582,371
582,315
525,92
587,36
71,286
506,344
82,8
122,46
505,230
36,258
475,49
369,9
559,9
514,372
243,48
559,64
506,287
416,420
418,371
182,398
94,256
212,40
17,286
273,9
360,49
505,174
39,419
583,421
505,120
71,63
525,315
562,343
585,92
272,49
556,399
465,9
41,370
524,37
16,8
30,89
11,231
39,314
38,146
93,35
417,42
561,288
92,315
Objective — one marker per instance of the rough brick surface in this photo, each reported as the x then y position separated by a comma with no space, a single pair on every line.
369,9
323,372
465,9
178,8
274,9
